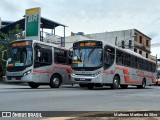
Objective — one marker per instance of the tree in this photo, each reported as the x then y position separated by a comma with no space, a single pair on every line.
2,63
6,39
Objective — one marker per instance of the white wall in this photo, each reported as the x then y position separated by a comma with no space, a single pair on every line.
111,37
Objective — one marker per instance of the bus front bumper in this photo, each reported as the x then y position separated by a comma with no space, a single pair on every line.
86,79
18,79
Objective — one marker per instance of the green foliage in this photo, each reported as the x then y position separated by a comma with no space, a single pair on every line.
2,63
12,35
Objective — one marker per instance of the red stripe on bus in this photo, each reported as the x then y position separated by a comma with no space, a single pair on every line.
147,76
128,80
42,71
109,72
69,70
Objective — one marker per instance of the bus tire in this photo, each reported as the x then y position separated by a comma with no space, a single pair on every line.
124,86
116,82
143,84
33,85
55,81
83,85
90,86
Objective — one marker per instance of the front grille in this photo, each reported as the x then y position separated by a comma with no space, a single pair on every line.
85,74
15,69
16,77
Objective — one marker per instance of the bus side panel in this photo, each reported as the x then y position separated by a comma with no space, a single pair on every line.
41,74
108,75
63,71
121,75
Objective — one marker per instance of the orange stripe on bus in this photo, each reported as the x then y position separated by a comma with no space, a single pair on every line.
42,71
128,80
69,70
151,77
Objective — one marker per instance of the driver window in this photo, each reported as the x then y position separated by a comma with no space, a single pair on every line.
109,53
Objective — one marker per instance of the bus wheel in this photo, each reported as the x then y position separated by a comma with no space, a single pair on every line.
55,81
116,82
90,86
124,86
83,85
143,84
33,85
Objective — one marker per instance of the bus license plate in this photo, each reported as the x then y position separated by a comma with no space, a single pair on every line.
13,78
80,79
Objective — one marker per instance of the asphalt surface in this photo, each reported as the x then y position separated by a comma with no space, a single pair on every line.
73,98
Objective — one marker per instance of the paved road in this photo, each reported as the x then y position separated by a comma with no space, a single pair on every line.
73,98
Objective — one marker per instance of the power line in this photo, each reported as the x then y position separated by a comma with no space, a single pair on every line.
155,45
157,19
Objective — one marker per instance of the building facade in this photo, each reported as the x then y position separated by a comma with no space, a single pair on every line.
130,39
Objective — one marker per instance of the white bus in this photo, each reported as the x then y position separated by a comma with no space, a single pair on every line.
158,77
38,63
96,63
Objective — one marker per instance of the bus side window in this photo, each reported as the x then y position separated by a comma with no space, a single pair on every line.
129,60
126,60
141,63
138,63
109,53
135,61
119,57
43,55
60,56
69,56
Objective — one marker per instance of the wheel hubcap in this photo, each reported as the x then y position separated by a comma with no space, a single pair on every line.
143,84
56,81
116,83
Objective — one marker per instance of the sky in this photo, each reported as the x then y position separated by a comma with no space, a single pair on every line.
93,16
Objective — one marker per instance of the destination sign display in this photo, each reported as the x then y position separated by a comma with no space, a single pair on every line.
88,44
20,44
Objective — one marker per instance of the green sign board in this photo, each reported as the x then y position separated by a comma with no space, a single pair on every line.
32,23
0,23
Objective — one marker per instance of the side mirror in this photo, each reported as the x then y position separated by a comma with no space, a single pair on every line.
39,54
75,58
70,54
4,55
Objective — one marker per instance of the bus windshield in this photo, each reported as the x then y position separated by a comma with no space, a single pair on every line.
158,72
87,57
20,56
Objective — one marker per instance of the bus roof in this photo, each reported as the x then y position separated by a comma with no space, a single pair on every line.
131,52
45,43
125,50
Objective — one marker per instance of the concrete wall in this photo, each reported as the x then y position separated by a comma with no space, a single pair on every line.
71,39
112,37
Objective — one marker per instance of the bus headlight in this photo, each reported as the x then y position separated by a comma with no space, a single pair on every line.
93,75
73,74
28,72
